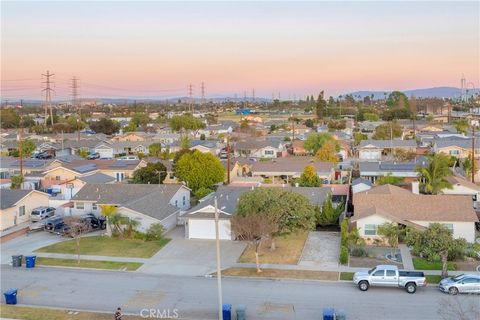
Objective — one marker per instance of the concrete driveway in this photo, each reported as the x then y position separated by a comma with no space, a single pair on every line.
26,244
191,257
322,250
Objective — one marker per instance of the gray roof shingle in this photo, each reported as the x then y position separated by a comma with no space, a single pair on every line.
9,197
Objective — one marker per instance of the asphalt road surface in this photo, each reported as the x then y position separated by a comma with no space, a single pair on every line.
196,297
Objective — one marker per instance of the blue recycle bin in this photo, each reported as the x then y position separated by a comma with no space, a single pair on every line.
227,311
11,296
328,314
30,261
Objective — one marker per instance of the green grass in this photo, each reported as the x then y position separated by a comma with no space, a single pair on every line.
422,264
110,265
106,246
346,276
433,279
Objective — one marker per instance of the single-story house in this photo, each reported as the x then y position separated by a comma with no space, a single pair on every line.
200,220
389,203
146,203
464,187
373,150
16,206
458,147
408,170
360,185
260,148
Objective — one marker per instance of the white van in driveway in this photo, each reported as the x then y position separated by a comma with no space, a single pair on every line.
41,213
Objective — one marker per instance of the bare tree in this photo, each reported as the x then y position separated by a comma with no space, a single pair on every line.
75,228
254,229
459,308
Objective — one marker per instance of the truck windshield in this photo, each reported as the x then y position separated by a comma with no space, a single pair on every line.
371,270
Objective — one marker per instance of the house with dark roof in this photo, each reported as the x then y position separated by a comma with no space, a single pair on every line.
146,203
200,220
407,170
389,203
16,206
460,148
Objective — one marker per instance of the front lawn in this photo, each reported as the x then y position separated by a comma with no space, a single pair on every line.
433,279
36,313
106,246
110,265
422,264
281,274
288,250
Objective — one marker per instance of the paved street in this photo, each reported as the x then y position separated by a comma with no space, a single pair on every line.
195,297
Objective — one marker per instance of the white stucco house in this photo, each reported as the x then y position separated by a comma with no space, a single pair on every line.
360,185
389,203
146,203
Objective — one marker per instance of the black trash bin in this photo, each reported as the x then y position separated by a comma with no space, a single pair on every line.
30,261
10,296
241,312
227,311
17,261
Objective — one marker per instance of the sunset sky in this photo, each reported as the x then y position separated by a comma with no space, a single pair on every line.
133,49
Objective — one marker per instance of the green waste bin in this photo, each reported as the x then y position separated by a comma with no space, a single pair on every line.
241,312
17,261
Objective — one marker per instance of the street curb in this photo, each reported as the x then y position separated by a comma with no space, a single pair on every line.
280,279
82,268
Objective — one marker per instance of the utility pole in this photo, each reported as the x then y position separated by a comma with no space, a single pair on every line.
253,95
20,147
473,153
413,108
219,269
293,128
48,97
190,98
74,104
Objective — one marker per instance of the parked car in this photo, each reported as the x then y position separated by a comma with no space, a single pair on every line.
93,156
92,221
464,283
389,276
41,213
54,224
39,225
44,156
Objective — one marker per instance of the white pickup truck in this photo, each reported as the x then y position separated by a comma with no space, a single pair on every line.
389,276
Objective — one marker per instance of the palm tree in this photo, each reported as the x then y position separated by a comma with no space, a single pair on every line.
130,226
108,211
434,175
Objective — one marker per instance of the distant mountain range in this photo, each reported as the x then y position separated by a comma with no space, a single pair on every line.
436,92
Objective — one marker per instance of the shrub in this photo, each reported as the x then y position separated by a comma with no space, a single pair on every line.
202,192
343,255
358,252
137,235
344,233
154,232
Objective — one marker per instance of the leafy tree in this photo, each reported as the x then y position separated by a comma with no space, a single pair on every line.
329,214
140,119
185,142
337,124
179,154
397,99
321,106
185,122
83,153
391,231
389,179
434,176
131,127
309,123
108,211
309,177
105,126
152,173
202,192
327,152
202,136
315,140
402,155
155,232
16,182
27,148
461,125
369,116
435,243
199,170
467,166
388,131
254,229
9,118
155,149
358,137
290,211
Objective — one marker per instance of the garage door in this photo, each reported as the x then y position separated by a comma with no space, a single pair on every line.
105,153
205,229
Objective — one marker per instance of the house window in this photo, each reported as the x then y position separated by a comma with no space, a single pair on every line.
184,200
119,176
94,206
370,230
57,178
176,203
454,152
80,205
269,152
449,226
21,211
171,176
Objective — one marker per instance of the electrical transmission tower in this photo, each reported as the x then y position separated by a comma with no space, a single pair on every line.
203,93
190,98
253,94
75,104
48,96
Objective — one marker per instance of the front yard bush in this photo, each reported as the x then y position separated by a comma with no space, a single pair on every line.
155,232
343,255
344,233
358,252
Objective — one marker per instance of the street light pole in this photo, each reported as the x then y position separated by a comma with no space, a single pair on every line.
219,270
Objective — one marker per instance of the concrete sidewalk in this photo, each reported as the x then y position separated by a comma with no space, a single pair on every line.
406,257
90,257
